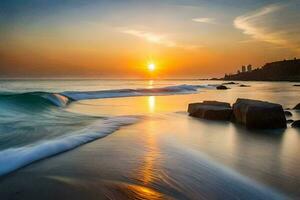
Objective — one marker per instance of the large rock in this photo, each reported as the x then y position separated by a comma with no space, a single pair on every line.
212,110
259,114
297,107
194,106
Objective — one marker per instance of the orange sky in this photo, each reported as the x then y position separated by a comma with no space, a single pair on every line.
113,40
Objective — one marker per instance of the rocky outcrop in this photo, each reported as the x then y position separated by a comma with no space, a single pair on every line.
297,107
222,87
212,110
296,124
258,114
286,70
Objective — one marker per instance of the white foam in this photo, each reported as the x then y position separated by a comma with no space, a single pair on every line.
169,90
15,158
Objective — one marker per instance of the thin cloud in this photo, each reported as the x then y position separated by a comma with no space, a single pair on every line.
265,25
150,37
158,39
205,20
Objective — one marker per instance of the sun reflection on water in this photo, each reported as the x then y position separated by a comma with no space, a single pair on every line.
151,103
148,174
151,156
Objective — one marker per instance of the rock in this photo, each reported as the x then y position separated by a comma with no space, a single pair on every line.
194,106
289,121
258,114
217,103
297,85
288,113
242,85
222,87
297,107
212,110
296,124
229,83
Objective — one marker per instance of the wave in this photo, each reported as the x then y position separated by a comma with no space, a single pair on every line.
64,98
169,90
36,98
15,158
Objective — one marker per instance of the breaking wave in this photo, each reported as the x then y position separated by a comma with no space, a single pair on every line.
14,158
169,90
35,98
64,98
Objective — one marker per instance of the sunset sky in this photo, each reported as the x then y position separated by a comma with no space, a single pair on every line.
119,38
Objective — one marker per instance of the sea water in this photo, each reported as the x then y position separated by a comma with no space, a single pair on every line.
42,118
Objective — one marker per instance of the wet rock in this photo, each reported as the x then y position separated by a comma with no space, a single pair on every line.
288,113
194,106
229,83
259,114
242,85
212,110
296,124
222,87
289,121
297,107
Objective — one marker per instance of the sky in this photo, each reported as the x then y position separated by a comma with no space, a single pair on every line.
120,38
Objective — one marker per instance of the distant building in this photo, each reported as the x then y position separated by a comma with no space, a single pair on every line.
243,68
249,68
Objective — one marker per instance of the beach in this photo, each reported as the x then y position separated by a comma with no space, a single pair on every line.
143,144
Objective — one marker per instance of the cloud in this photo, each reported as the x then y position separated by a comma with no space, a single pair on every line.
276,24
205,20
160,39
150,37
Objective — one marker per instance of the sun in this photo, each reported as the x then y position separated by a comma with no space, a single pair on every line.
151,67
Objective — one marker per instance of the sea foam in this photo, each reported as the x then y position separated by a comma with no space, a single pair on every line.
15,158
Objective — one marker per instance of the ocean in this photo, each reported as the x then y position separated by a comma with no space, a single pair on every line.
133,139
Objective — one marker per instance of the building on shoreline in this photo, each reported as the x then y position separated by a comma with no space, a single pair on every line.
284,70
249,68
243,69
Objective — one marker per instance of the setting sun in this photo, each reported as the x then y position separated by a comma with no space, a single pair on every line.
151,67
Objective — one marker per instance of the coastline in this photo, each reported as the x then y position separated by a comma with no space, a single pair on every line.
169,154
